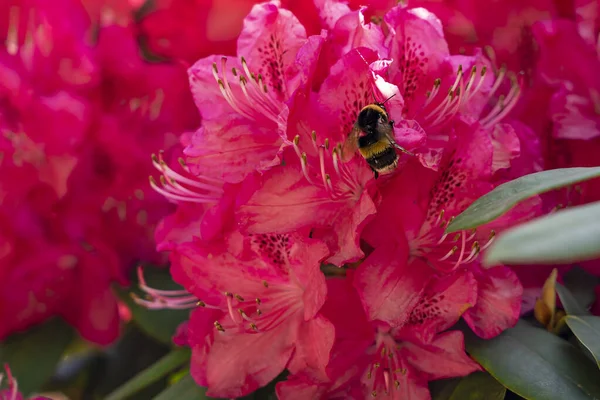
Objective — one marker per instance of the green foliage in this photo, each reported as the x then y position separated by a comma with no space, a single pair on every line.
477,386
536,364
183,389
587,330
33,355
563,237
506,196
161,368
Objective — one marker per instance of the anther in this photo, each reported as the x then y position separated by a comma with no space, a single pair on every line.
397,384
253,326
258,301
239,298
219,326
228,294
265,284
449,254
258,312
234,71
200,303
296,139
327,143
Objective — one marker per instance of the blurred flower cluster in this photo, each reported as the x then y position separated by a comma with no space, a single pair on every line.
80,110
292,253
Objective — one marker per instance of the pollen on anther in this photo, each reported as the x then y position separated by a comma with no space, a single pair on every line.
200,303
219,326
265,284
253,326
239,298
296,139
258,301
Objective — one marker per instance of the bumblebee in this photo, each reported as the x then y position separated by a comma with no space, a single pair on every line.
373,136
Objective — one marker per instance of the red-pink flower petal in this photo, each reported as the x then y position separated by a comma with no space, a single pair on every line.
444,357
270,40
441,306
389,285
233,368
498,302
313,347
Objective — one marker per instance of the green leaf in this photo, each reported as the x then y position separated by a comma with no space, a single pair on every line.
587,330
477,386
506,196
156,371
34,355
563,237
536,364
184,389
159,324
582,285
569,302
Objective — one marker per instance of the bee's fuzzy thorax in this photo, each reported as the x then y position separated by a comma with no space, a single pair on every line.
377,108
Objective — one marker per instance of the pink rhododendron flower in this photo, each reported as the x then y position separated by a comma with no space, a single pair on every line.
77,125
12,393
266,191
394,362
259,291
339,193
276,58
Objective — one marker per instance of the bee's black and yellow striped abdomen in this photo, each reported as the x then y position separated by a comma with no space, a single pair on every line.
374,144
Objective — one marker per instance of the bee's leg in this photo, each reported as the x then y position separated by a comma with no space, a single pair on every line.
375,172
392,122
402,149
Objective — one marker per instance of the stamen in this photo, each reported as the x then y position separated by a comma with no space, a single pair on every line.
462,251
313,136
490,240
257,103
473,92
474,252
164,299
173,188
440,218
499,79
219,326
304,163
504,105
444,236
449,254
434,91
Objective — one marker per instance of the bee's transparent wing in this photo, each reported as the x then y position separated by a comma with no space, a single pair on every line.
350,145
396,145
